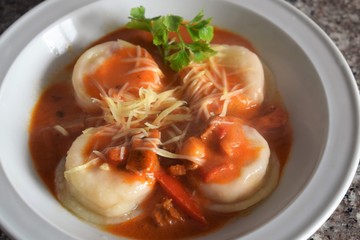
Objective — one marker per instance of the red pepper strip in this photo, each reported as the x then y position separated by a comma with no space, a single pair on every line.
181,197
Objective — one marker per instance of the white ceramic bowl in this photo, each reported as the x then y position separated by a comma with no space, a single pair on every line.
312,76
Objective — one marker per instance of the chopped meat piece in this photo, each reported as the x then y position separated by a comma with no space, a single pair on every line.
166,214
173,213
141,161
177,170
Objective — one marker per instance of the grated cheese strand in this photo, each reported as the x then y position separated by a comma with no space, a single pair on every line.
81,167
61,130
167,154
167,112
151,109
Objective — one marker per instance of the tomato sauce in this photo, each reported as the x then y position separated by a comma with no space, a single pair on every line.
57,107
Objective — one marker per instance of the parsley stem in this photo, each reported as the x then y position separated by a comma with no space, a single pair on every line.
180,37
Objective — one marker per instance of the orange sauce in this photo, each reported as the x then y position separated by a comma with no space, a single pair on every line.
48,147
143,227
114,73
57,106
226,160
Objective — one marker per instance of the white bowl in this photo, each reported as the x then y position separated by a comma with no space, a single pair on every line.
312,76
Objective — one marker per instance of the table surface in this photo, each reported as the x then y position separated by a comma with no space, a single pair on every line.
340,19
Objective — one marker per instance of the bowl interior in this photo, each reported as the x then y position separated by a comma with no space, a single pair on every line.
59,44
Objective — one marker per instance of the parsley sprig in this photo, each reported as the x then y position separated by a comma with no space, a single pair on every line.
177,53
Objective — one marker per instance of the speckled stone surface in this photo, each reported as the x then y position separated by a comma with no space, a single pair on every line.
340,19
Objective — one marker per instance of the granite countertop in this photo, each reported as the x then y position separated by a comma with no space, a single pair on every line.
341,21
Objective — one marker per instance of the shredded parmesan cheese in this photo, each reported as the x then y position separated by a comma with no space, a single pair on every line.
105,167
134,116
207,83
167,154
150,110
99,154
80,167
61,130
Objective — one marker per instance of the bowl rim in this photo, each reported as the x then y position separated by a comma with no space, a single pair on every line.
45,12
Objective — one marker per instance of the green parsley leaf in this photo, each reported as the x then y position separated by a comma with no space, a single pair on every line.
138,12
177,54
200,52
201,32
200,29
159,32
179,60
138,20
172,23
198,17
